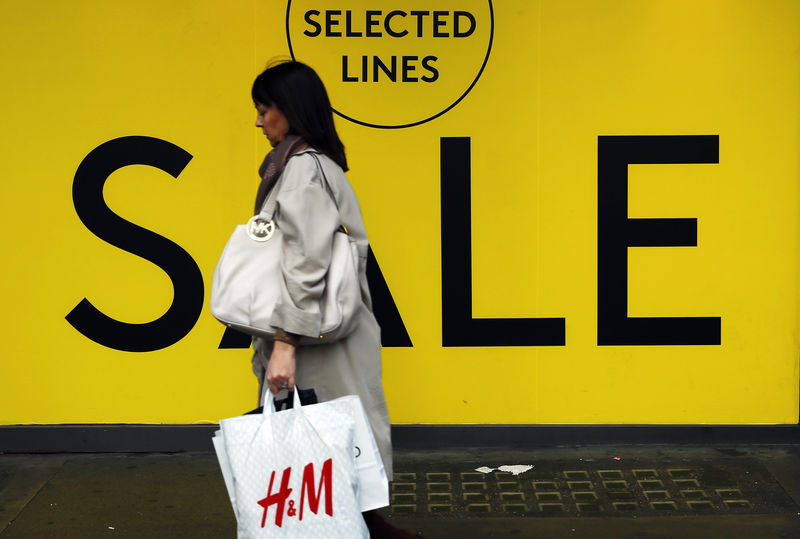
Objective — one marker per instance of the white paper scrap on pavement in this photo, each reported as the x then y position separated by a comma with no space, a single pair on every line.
515,469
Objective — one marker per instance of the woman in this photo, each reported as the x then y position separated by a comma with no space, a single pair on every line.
295,115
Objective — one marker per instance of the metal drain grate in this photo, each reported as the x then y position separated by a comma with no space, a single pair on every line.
554,488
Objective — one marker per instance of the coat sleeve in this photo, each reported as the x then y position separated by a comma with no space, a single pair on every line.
308,220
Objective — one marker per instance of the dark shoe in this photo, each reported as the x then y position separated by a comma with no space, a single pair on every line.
380,529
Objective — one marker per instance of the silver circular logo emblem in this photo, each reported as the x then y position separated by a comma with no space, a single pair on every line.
259,229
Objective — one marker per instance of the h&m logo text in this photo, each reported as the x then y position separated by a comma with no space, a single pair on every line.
280,497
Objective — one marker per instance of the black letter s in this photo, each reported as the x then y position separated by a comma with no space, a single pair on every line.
312,22
187,281
427,64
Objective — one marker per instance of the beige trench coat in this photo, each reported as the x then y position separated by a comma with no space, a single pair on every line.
308,218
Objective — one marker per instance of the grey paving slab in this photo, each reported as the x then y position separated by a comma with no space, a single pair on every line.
143,496
784,464
21,478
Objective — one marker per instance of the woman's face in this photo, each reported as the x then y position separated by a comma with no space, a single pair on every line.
272,122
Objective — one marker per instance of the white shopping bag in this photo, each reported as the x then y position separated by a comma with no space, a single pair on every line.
373,485
225,466
287,479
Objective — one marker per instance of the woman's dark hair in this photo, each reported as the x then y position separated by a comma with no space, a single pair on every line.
299,94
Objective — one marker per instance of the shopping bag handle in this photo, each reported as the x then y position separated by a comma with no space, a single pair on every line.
269,400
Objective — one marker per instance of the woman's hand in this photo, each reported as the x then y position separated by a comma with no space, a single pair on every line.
281,368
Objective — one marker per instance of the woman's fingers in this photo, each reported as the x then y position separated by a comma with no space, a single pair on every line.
278,384
281,367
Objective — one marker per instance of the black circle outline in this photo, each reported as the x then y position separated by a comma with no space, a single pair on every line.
456,102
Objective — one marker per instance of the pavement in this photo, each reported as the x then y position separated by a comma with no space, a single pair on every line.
650,491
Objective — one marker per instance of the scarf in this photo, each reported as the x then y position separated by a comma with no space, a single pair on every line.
272,167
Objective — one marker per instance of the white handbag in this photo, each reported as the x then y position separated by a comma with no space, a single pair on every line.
248,280
287,478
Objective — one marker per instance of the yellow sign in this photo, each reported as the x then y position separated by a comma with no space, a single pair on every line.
590,216
393,67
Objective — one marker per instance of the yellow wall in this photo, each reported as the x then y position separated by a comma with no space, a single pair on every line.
560,74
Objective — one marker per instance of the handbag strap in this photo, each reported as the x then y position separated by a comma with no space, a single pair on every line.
325,181
268,208
327,184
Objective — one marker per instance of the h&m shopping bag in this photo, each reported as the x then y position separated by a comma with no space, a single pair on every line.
373,485
288,479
